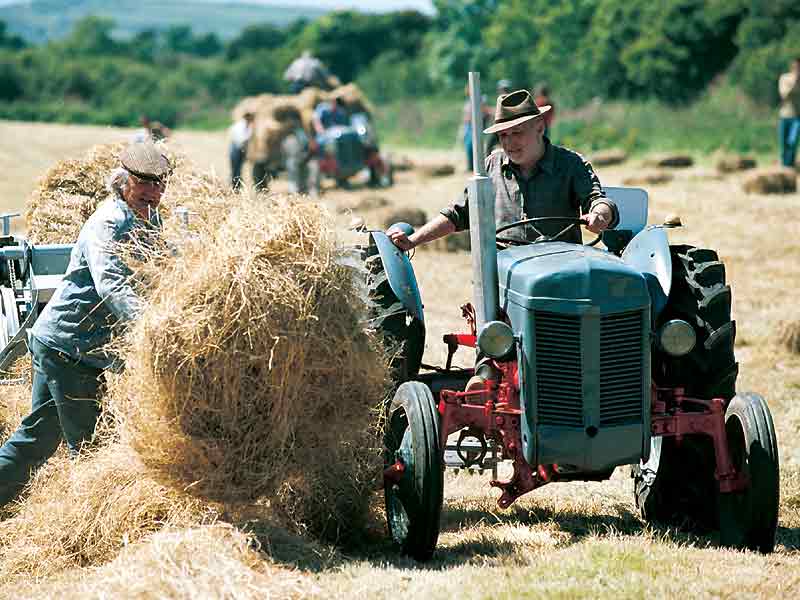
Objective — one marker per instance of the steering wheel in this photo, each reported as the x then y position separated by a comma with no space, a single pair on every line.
504,242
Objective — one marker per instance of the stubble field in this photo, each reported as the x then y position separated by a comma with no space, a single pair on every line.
565,540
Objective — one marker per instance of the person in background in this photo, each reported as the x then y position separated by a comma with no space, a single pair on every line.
531,178
789,114
306,71
239,133
465,131
94,299
150,131
542,98
330,113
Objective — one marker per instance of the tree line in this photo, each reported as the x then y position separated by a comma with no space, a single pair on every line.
669,51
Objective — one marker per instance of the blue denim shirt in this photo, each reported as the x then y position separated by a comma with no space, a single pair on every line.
95,295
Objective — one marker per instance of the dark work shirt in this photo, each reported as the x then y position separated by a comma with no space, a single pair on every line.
563,184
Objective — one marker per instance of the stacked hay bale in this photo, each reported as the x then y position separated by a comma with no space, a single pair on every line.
276,116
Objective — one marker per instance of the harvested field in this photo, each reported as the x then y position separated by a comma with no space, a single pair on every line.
588,534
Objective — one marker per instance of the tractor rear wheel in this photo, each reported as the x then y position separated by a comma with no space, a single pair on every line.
403,333
414,502
749,519
677,485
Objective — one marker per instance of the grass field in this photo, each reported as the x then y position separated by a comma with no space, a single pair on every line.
576,540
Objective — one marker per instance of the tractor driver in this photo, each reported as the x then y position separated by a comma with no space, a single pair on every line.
531,178
95,296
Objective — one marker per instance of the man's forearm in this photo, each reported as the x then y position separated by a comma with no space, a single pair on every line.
437,227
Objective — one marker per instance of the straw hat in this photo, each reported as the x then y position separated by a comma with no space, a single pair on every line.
144,160
513,109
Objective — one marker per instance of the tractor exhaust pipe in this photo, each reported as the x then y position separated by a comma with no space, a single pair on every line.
481,219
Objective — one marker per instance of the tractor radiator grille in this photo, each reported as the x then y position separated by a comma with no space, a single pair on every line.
558,369
621,368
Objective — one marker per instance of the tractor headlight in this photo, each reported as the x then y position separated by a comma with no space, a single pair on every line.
677,337
495,339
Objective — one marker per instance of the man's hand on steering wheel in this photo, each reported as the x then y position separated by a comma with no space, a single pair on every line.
595,222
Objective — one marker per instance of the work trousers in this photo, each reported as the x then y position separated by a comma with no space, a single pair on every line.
237,156
788,137
64,404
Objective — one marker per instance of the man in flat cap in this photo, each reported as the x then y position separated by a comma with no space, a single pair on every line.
531,178
95,297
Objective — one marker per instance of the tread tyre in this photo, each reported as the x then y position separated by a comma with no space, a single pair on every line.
749,519
677,485
414,503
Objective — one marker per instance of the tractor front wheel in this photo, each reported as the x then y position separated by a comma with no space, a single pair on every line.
414,500
749,519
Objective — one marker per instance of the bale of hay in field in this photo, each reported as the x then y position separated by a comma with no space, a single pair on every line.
648,177
72,189
731,163
436,169
68,193
415,217
666,160
455,242
83,512
404,163
612,156
15,386
771,180
252,365
212,561
789,336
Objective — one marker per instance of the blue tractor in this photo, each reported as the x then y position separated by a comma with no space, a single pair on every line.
586,359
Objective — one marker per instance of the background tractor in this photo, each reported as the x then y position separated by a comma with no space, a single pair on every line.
586,359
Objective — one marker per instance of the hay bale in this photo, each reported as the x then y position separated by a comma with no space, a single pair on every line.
72,189
455,242
612,156
214,561
83,512
436,169
789,336
771,180
415,217
251,366
404,163
731,163
666,160
68,194
648,177
15,385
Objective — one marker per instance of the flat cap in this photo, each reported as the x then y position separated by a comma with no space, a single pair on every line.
144,160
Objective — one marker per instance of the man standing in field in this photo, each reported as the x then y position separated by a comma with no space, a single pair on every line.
531,178
789,123
240,133
306,71
68,340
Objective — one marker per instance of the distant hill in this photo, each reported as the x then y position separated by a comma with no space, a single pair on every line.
40,20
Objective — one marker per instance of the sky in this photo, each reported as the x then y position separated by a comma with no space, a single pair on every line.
425,6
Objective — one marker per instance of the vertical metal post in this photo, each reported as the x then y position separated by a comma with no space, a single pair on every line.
6,218
481,219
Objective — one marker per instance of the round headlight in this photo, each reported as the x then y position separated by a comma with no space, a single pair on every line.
677,337
495,339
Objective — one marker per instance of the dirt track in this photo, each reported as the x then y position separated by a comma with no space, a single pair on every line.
584,538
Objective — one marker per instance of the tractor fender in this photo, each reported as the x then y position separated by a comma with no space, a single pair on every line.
400,272
648,253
